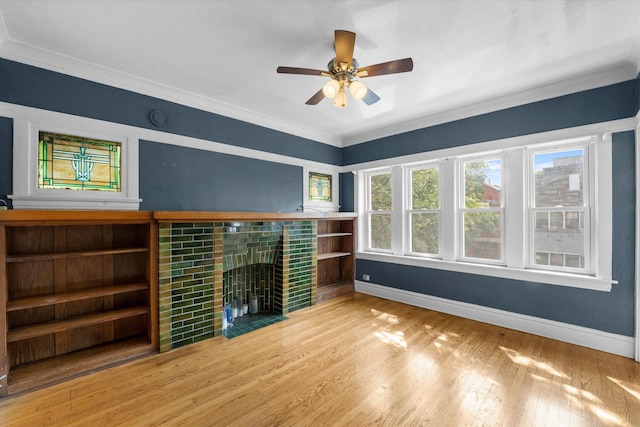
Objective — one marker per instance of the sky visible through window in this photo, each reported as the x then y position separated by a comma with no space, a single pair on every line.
541,161
545,160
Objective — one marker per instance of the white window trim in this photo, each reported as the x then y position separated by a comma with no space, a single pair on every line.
515,242
588,145
461,210
408,209
366,209
27,195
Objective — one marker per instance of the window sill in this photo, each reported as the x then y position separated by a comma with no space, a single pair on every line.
538,276
97,201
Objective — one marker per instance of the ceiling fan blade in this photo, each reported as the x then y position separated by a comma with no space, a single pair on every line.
305,71
370,97
391,67
319,96
344,44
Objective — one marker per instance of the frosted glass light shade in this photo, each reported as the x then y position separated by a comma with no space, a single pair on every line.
331,88
340,99
357,89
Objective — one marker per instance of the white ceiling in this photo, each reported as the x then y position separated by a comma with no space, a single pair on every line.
221,55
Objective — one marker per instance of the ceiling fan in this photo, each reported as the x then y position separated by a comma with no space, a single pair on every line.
345,72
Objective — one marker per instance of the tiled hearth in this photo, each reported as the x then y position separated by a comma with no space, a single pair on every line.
204,264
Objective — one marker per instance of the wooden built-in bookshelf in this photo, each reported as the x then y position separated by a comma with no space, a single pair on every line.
79,293
335,256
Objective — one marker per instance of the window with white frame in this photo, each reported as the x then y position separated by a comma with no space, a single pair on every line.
378,210
545,223
559,209
481,210
48,137
423,210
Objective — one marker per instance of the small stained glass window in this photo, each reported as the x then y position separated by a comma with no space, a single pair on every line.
319,187
78,163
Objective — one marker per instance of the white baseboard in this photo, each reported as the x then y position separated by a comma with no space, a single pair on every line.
586,337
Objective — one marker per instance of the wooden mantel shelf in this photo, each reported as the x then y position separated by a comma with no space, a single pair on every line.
53,216
186,216
58,216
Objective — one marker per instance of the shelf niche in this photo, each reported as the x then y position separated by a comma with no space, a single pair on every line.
80,295
335,257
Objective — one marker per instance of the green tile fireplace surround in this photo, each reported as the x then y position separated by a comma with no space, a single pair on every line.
207,258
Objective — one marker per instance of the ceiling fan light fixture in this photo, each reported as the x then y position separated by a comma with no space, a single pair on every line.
357,89
331,88
340,99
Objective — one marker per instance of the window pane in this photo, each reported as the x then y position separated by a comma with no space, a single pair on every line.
381,192
559,179
483,235
542,258
380,231
482,184
556,220
573,220
78,163
424,233
572,261
561,241
425,187
542,220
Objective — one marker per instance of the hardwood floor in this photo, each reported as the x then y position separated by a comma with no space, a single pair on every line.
354,360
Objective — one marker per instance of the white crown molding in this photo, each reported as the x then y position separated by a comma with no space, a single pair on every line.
4,34
617,74
43,58
579,335
38,57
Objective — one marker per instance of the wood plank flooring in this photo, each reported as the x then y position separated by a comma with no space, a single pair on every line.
357,361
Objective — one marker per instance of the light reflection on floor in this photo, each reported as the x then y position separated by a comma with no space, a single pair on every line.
550,395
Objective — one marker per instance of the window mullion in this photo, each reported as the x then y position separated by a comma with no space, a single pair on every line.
515,202
448,217
398,226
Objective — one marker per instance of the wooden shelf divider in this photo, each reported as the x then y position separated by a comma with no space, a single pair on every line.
72,254
332,255
45,328
320,236
59,298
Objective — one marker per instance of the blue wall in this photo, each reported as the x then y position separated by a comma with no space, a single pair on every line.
171,177
592,106
6,157
177,178
607,311
267,186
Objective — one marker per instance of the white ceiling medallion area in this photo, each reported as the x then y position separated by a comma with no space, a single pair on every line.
470,57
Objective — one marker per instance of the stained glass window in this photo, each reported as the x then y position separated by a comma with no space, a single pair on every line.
78,163
319,187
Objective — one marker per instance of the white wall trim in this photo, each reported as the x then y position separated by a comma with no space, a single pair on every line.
47,59
498,145
637,246
17,112
586,337
603,78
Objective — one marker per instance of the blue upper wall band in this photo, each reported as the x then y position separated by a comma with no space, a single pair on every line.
617,101
39,88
